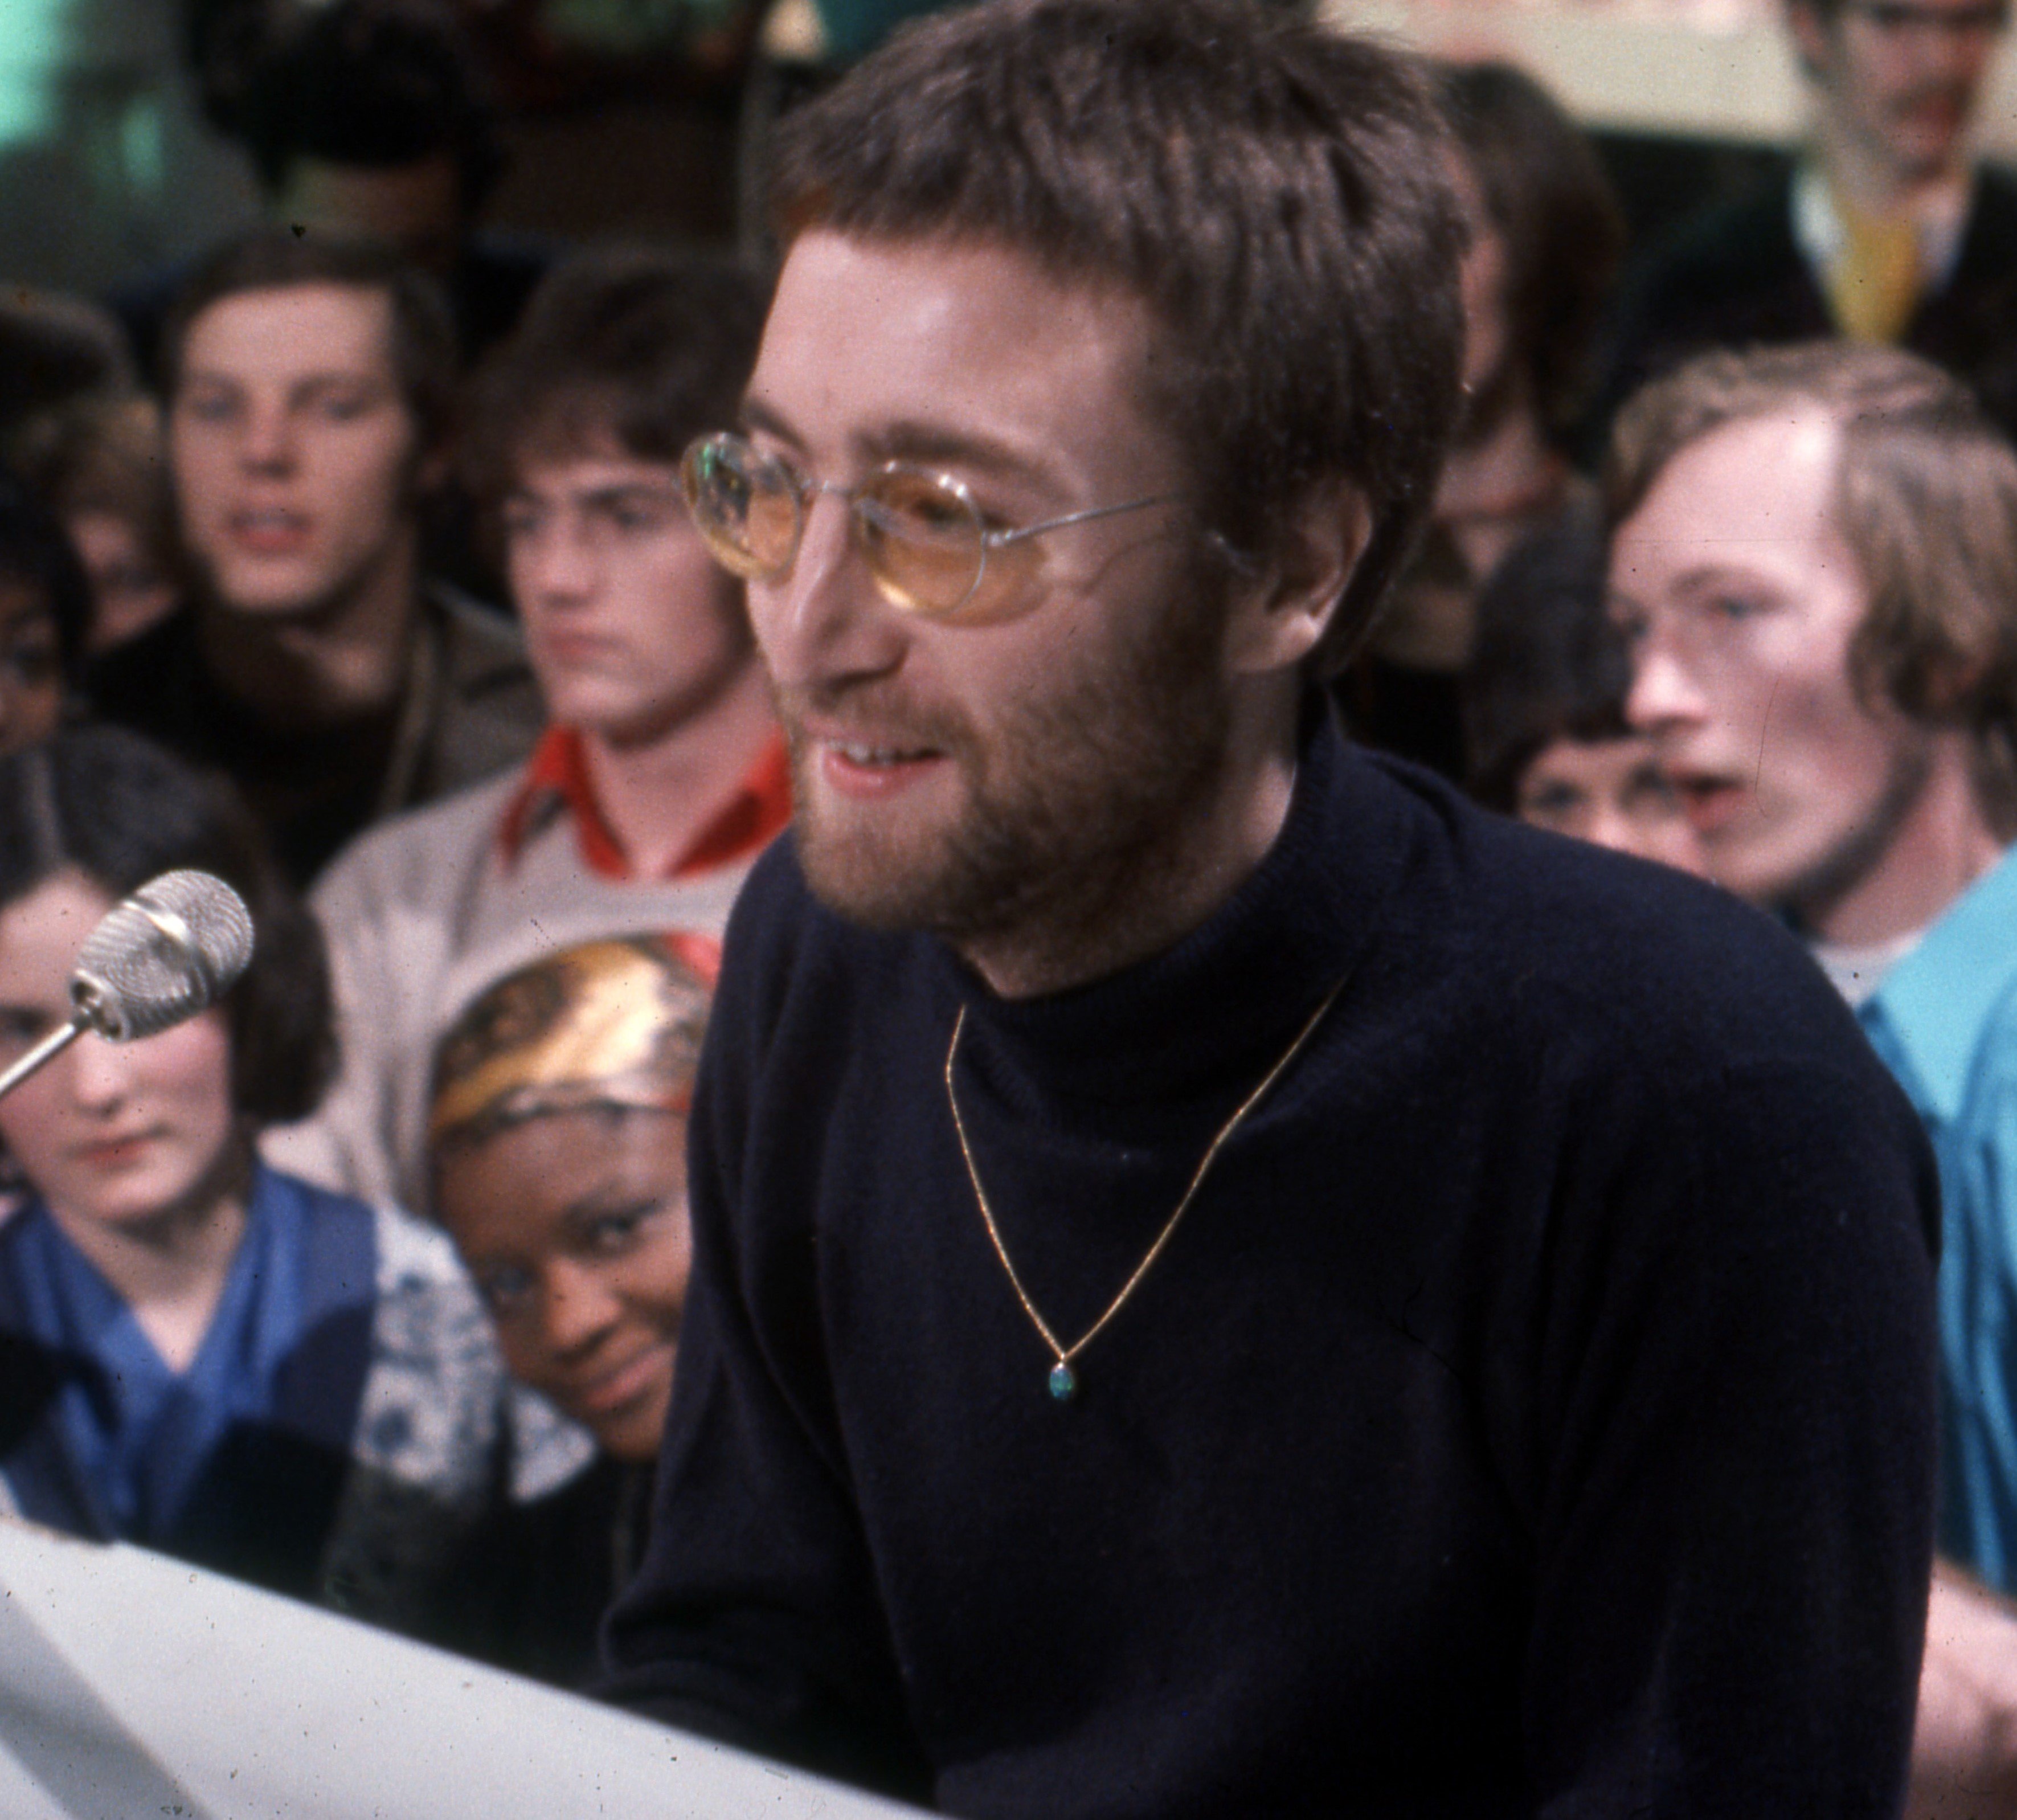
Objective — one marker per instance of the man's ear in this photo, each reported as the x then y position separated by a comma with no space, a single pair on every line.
1281,607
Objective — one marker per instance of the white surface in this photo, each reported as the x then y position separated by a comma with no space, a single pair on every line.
132,1686
1636,70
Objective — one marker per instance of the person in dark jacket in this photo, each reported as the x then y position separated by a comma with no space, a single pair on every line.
1225,1280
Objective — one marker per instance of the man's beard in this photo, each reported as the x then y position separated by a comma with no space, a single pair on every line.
1074,806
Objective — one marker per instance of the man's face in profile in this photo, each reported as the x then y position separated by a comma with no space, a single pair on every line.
291,447
1742,602
961,772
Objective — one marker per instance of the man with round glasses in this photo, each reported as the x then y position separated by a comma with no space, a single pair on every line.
1886,231
1226,1281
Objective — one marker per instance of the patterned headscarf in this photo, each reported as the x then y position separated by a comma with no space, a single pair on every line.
612,1023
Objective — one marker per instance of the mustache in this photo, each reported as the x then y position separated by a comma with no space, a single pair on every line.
875,706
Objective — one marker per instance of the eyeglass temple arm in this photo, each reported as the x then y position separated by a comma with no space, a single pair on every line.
995,539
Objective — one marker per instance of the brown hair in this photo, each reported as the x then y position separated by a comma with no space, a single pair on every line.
1548,196
1276,193
649,349
1926,499
424,348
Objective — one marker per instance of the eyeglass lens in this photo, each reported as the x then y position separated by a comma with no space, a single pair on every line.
923,544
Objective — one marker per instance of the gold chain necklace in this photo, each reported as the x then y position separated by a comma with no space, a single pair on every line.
1064,1381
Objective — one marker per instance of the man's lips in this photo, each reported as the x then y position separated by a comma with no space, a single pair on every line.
268,530
609,1391
1709,801
870,762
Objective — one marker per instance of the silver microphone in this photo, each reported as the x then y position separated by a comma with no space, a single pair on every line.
172,949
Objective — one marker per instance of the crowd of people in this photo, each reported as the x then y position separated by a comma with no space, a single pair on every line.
1192,1267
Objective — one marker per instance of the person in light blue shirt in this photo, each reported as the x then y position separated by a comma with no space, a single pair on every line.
1814,558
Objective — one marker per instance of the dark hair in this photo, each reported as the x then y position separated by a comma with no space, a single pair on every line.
373,84
1926,499
116,808
1276,193
648,349
1555,210
423,348
1547,663
55,348
36,552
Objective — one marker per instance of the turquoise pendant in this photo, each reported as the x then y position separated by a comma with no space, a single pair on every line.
1064,1382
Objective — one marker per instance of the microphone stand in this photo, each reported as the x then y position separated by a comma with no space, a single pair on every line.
51,1046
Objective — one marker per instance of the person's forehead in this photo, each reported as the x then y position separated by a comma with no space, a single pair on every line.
294,329
569,460
866,337
553,1160
1755,483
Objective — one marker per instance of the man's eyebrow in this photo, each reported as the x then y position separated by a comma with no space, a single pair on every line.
925,443
756,415
933,443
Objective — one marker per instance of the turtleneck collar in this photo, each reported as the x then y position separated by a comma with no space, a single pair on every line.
1226,998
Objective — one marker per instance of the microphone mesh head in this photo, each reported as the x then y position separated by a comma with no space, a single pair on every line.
172,949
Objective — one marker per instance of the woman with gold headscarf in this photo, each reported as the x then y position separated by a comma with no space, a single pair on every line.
557,1143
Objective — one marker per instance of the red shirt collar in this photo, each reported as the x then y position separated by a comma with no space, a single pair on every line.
556,782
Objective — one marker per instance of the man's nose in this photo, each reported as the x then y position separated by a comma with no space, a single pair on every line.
1663,697
267,440
824,621
557,564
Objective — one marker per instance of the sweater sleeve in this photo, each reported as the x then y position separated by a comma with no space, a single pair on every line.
1734,1449
346,1144
754,1617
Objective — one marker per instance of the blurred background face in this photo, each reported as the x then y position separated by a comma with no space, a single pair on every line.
31,682
1901,77
1742,602
632,627
1611,792
574,1225
292,448
130,590
110,1134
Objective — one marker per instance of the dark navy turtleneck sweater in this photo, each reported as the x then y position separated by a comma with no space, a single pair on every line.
1534,1412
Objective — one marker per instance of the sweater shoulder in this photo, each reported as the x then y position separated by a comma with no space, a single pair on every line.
419,853
1557,937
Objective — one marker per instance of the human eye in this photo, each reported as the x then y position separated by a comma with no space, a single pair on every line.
918,507
20,1026
612,1231
640,512
210,404
1733,606
1648,794
521,517
1552,804
340,404
507,1289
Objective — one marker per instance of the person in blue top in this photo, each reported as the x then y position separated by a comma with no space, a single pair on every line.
1815,557
199,1354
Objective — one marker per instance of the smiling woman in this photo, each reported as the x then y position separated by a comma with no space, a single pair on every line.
202,1355
558,1139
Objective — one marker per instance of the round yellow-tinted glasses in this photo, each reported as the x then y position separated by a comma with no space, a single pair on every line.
925,540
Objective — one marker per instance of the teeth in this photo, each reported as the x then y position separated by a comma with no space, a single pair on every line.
872,755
